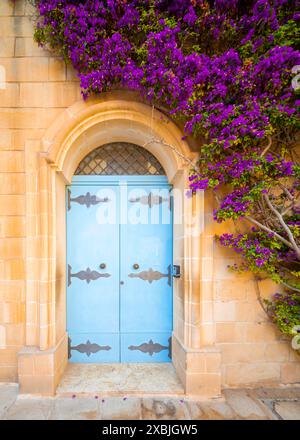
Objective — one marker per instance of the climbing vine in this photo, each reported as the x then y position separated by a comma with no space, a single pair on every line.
227,70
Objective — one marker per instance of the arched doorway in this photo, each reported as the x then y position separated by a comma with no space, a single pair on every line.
119,258
50,165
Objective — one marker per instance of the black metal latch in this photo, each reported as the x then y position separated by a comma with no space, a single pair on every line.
176,271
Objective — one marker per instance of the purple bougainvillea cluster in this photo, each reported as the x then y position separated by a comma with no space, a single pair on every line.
224,70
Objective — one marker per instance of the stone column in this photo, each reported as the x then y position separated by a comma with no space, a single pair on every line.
195,356
42,361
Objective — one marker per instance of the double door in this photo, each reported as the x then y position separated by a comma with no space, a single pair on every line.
119,269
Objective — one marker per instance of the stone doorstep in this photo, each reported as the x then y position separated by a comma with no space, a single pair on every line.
137,394
116,380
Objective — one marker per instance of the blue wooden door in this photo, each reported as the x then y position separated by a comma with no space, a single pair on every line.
119,260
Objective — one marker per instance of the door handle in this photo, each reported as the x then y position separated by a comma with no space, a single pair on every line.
136,266
102,266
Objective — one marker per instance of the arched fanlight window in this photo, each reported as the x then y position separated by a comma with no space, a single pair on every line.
120,158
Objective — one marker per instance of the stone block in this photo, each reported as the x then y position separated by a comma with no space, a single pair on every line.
6,8
8,356
8,373
20,136
74,409
27,118
57,69
56,94
164,409
210,410
16,27
5,139
120,408
12,226
8,396
11,248
277,352
12,183
231,332
12,291
288,410
224,311
290,372
12,312
12,205
2,337
11,161
243,352
244,406
7,47
29,409
206,385
27,47
15,334
244,374
261,332
26,69
71,73
14,269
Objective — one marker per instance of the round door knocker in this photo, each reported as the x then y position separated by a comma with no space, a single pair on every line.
136,266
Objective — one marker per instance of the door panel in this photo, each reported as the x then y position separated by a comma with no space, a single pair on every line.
94,347
93,293
146,256
146,347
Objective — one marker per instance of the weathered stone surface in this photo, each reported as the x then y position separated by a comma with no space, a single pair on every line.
29,409
276,393
263,403
164,409
124,379
74,409
244,406
288,410
8,395
211,410
120,408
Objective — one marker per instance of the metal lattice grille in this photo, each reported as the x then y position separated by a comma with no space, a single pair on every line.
120,158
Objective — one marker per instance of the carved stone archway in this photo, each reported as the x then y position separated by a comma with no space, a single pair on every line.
50,165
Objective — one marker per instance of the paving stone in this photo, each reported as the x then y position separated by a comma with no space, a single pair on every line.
30,409
165,409
75,409
120,408
244,406
211,411
288,410
276,393
8,395
238,404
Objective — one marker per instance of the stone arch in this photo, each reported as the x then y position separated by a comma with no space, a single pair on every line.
87,125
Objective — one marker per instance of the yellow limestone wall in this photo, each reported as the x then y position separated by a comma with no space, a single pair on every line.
38,88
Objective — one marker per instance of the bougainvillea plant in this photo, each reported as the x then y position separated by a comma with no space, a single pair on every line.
226,70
